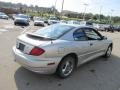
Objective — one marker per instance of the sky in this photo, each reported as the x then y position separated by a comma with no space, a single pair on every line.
107,7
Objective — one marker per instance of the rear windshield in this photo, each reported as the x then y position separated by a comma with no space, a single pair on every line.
53,31
89,23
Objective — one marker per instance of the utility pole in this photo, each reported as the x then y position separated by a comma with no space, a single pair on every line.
100,13
62,8
85,10
55,8
111,16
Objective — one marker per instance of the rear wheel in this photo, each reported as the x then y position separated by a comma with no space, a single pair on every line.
66,67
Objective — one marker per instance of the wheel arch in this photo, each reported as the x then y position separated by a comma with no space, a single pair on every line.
74,55
111,44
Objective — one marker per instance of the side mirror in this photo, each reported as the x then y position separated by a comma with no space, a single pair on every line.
104,37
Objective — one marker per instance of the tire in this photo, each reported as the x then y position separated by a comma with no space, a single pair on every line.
27,24
15,24
66,67
108,52
43,25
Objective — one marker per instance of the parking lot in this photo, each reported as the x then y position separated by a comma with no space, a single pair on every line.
99,74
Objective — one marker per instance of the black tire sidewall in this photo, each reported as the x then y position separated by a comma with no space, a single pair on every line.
106,55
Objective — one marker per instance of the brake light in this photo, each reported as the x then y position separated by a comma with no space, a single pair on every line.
36,51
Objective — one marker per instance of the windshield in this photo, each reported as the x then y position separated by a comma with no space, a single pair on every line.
2,13
22,16
39,19
53,18
53,31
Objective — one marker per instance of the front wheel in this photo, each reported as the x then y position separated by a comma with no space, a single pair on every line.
108,52
66,67
15,23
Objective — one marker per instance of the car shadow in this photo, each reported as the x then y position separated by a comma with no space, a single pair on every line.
99,74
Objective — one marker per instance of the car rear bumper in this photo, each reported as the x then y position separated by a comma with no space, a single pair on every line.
38,23
38,66
21,22
3,17
52,23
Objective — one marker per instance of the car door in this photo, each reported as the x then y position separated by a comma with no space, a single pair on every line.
82,45
97,44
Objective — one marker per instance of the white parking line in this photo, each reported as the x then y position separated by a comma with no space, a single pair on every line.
3,30
8,27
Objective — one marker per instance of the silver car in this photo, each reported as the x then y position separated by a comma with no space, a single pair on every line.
60,48
39,21
3,16
53,20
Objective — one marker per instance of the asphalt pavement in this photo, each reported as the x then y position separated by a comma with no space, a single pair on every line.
99,74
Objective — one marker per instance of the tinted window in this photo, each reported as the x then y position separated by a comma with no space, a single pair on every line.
79,35
89,23
91,34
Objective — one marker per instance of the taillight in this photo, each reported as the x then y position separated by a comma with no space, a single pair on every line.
36,51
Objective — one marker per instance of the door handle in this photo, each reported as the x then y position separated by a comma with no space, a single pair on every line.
91,44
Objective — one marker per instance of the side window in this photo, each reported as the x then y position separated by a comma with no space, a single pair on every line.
91,34
79,35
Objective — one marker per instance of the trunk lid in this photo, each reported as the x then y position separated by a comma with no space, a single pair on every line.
33,39
26,42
